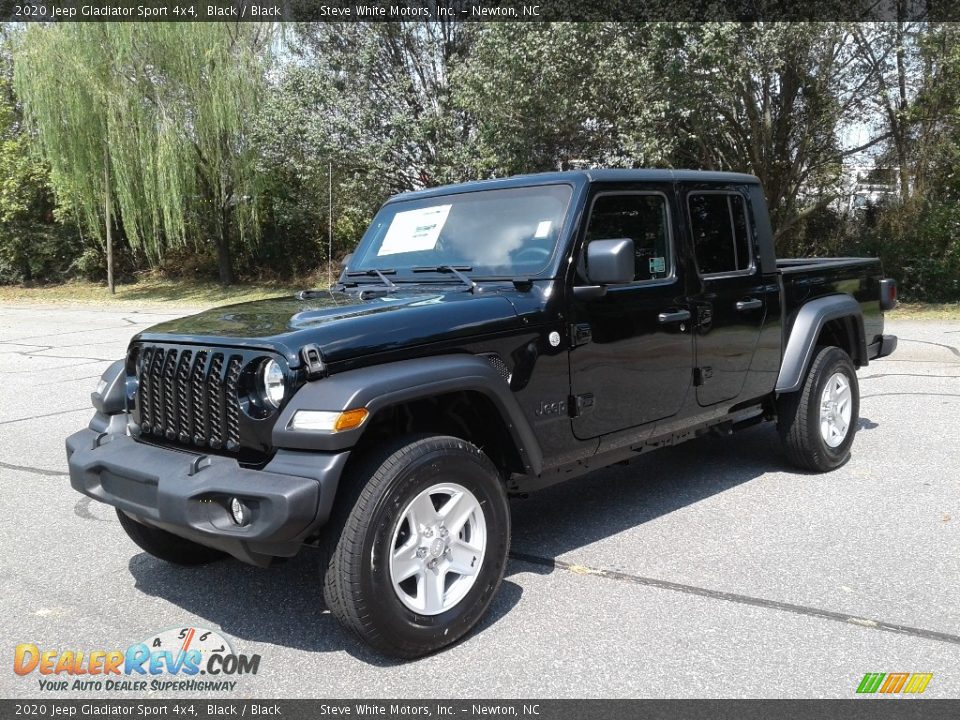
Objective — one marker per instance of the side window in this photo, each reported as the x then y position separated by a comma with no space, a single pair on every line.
721,240
645,219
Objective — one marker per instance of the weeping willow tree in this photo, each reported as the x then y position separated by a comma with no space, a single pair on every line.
155,117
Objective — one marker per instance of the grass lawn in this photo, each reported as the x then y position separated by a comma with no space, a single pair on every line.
926,311
151,291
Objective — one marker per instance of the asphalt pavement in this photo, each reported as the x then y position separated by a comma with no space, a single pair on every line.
711,569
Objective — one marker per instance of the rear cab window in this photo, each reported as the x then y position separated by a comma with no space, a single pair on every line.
720,231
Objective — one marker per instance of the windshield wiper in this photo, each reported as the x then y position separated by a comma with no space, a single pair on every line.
342,287
382,274
452,269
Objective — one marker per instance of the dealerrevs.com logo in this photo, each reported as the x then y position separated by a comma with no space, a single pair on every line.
189,659
894,683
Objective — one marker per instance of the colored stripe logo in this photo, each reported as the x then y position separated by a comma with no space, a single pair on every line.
894,683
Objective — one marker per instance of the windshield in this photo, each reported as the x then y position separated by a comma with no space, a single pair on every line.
510,232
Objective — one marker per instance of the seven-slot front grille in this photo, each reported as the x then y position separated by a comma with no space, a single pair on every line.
190,396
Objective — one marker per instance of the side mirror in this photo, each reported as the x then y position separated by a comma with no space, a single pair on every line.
345,260
610,262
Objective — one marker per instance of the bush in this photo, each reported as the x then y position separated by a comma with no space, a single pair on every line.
919,245
37,252
190,263
294,227
91,263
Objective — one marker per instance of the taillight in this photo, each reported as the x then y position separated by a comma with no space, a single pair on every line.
888,294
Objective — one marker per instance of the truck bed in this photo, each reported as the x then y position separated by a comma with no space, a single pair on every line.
804,279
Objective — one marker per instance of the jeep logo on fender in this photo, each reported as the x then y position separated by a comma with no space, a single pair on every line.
559,407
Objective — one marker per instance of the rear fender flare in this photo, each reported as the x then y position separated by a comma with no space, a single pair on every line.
810,320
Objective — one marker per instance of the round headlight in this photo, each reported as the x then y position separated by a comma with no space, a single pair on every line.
271,383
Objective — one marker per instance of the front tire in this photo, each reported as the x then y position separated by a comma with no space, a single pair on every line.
818,423
167,546
422,548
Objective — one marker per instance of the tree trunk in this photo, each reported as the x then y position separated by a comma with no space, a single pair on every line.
223,249
901,128
904,171
107,212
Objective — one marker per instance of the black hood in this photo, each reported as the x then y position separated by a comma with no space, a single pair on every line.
344,325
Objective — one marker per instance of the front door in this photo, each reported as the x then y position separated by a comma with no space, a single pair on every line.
632,360
730,308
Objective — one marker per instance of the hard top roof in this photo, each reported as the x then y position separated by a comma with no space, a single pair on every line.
582,177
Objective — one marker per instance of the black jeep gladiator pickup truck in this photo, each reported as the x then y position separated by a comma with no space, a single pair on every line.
483,340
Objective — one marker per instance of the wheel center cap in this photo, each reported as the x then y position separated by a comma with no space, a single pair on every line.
437,547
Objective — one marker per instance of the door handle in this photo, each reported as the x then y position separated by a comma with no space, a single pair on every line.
749,304
676,316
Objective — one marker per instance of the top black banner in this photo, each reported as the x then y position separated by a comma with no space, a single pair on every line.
477,10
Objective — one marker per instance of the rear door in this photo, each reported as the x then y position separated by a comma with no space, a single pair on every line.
632,355
729,309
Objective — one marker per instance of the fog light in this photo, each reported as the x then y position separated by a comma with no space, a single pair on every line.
240,512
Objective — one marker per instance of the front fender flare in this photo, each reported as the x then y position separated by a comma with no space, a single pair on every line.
380,386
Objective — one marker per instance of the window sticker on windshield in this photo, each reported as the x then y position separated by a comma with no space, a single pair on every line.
543,229
414,230
658,265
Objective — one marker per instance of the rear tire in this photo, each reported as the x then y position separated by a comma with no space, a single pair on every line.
818,423
420,546
167,546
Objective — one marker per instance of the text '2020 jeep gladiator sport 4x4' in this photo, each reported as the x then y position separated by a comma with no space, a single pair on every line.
483,339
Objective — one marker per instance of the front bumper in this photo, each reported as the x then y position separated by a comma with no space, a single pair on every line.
188,494
882,347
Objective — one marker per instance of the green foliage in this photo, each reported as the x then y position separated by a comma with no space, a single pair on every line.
24,191
562,95
375,100
380,99
919,245
764,98
917,233
220,149
33,244
165,107
37,252
936,114
71,128
292,227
